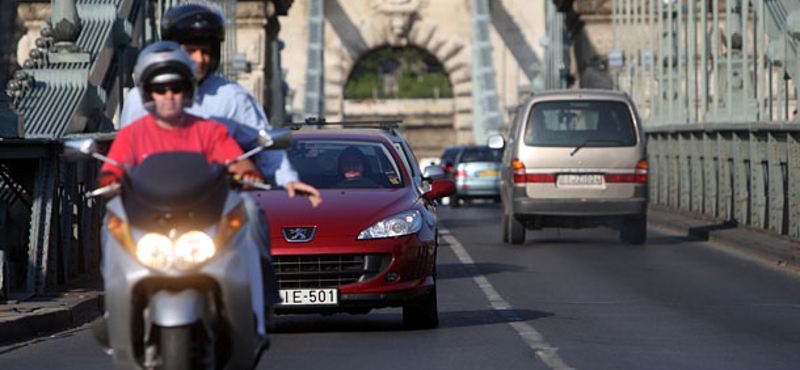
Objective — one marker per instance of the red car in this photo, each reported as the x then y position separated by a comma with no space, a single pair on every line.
371,243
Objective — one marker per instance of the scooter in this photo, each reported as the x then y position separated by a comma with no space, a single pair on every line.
180,265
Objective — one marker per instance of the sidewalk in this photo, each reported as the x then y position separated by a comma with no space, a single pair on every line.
763,246
23,317
27,317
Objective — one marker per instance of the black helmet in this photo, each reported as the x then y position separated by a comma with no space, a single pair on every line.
164,62
195,24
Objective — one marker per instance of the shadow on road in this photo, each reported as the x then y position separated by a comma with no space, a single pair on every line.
459,270
393,321
700,233
458,319
695,234
314,323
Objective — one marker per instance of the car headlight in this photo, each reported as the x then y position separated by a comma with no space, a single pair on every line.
398,225
190,249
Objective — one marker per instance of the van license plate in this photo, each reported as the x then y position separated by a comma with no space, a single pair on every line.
309,297
574,179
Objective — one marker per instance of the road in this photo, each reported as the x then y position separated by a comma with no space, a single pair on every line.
565,299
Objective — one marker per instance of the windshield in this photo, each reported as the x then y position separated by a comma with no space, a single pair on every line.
345,164
580,123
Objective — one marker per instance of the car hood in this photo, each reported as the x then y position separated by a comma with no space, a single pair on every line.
342,212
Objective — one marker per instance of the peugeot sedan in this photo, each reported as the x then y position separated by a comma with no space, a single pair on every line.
372,242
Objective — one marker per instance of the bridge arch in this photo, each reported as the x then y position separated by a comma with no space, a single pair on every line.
451,51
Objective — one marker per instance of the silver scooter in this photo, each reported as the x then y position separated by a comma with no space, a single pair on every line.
181,264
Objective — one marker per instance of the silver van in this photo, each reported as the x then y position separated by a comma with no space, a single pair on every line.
574,159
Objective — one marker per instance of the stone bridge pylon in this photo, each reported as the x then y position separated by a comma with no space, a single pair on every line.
442,28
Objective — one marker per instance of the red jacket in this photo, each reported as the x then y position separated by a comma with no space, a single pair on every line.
144,137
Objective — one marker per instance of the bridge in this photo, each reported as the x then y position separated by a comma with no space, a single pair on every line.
714,81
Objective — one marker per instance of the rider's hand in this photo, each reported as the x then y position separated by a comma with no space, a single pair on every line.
107,178
252,176
306,190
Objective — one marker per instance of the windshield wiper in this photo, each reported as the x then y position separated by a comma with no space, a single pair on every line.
577,148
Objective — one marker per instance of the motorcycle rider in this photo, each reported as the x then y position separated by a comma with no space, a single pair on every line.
166,80
200,29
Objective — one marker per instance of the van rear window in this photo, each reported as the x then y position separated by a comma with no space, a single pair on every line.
574,123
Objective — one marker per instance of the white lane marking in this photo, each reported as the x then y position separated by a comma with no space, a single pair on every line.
535,340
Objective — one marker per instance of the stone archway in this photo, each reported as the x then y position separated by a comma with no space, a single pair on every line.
404,30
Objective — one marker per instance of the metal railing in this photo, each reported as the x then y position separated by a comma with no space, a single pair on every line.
689,61
748,173
715,82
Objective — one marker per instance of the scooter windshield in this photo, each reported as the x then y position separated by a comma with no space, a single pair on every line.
175,190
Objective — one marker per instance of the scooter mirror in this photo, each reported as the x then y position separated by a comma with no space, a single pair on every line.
79,149
275,138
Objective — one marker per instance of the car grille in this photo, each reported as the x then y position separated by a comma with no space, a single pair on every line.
328,270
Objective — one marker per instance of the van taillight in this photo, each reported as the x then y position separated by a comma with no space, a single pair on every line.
519,171
461,174
541,177
521,177
641,171
639,175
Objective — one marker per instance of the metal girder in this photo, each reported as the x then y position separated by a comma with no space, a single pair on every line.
485,110
314,101
40,226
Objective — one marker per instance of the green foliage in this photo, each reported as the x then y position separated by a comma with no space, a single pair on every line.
419,75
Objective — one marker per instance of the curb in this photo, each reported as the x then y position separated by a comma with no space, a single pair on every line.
36,319
764,246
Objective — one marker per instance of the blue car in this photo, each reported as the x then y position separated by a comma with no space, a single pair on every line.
476,172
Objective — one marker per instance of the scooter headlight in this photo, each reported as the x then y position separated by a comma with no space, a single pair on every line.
158,251
154,250
194,247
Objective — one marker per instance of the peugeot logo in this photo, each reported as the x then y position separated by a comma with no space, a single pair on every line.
299,234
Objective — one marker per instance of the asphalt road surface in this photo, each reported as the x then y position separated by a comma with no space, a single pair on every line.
566,299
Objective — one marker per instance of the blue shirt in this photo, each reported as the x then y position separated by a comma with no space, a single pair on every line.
225,101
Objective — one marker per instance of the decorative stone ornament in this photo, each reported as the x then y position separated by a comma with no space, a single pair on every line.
401,14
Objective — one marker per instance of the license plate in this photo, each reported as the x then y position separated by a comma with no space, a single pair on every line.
575,179
309,297
488,173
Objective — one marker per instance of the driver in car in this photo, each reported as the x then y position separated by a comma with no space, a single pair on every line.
354,170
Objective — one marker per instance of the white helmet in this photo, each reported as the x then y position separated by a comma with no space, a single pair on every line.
164,62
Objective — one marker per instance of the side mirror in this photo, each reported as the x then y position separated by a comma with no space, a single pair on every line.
432,172
496,142
441,188
275,139
78,149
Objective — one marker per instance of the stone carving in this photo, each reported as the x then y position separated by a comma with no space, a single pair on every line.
401,14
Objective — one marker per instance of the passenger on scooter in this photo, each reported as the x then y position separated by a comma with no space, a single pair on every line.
200,29
165,74
166,78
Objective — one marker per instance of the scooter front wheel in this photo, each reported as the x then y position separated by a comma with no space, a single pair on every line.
175,348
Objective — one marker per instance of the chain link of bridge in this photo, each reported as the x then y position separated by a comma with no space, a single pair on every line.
72,86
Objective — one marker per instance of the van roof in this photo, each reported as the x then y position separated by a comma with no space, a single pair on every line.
580,94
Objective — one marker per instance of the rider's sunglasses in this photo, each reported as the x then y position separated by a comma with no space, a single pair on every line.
162,89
